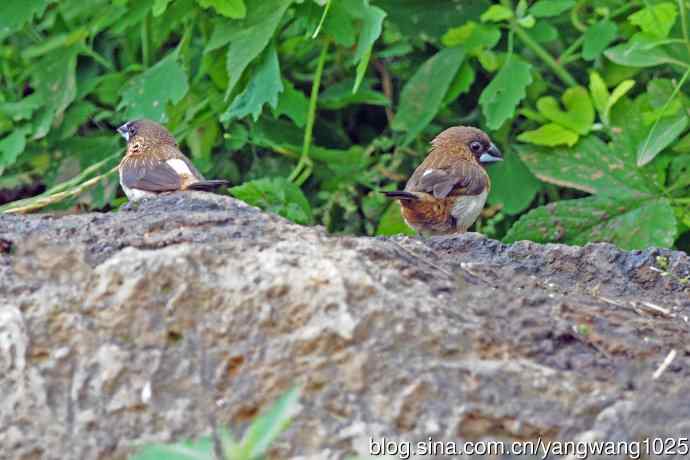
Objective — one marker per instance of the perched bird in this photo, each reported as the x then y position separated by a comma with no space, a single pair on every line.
448,190
154,164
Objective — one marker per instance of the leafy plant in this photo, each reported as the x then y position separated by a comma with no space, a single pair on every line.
311,107
254,444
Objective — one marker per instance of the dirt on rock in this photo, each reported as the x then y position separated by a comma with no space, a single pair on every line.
145,324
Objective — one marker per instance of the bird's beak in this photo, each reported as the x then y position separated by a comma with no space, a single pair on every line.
124,132
491,155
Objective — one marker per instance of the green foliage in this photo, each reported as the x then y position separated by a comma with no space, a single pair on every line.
312,107
277,195
254,445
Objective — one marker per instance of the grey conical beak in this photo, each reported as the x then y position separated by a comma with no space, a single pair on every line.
491,155
124,132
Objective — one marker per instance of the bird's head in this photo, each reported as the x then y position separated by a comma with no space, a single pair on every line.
145,131
468,143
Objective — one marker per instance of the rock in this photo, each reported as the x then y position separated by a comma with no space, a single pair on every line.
149,323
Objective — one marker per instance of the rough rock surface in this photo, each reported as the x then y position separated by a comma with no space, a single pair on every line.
146,324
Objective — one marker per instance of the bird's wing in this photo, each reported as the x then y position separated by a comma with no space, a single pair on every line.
152,175
179,162
464,178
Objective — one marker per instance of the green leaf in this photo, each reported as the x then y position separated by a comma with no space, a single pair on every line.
423,94
638,52
277,195
656,20
597,37
339,95
292,103
201,449
392,222
268,426
23,109
16,13
599,92
551,135
591,166
549,8
512,184
11,147
159,7
474,37
543,32
264,87
372,25
250,36
421,19
496,13
54,78
501,97
627,222
233,9
339,24
461,83
147,94
665,132
579,113
370,29
620,91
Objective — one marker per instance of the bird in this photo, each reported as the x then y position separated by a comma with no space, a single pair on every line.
154,164
447,191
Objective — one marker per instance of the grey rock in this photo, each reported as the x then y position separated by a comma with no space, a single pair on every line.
155,322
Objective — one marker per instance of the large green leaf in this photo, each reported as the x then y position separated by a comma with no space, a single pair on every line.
430,18
579,113
423,94
277,195
146,95
292,103
638,52
250,36
548,8
264,87
512,184
54,78
590,166
392,222
500,98
666,131
15,13
234,9
655,20
550,134
629,223
269,425
11,146
597,37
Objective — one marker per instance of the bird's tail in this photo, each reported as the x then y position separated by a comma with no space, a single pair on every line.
207,185
401,195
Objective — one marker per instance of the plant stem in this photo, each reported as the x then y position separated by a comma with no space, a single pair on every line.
305,161
563,58
544,55
44,201
684,23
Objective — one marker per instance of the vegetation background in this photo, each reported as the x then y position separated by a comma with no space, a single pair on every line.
310,107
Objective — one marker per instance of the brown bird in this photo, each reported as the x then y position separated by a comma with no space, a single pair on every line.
154,164
448,190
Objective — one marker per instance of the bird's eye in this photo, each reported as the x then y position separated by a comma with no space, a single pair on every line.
475,146
132,130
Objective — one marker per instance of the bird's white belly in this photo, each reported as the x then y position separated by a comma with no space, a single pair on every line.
134,194
467,208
